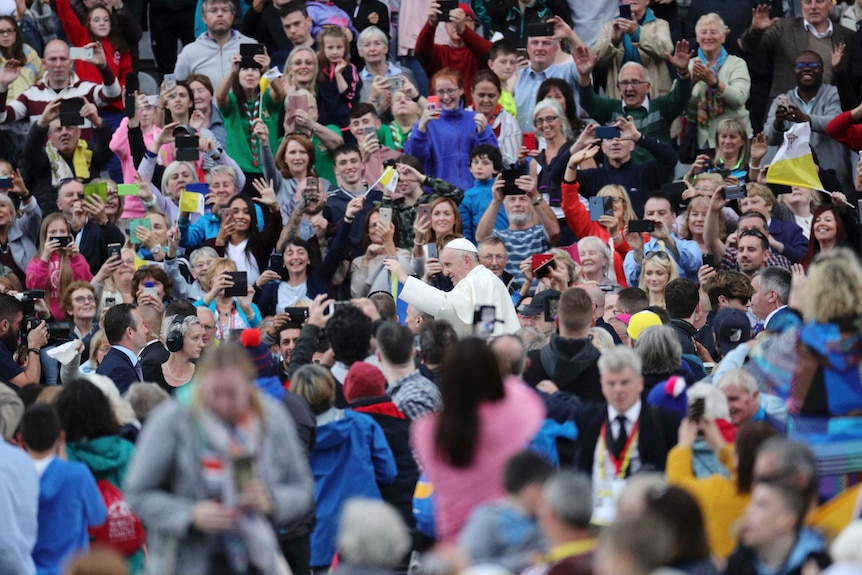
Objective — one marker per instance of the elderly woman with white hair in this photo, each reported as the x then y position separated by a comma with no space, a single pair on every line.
372,538
18,233
556,137
381,78
720,82
597,263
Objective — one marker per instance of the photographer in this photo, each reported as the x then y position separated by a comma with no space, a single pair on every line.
11,321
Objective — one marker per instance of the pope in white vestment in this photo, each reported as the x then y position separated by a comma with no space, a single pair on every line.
475,285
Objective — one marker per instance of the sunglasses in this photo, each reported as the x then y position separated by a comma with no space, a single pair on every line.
662,255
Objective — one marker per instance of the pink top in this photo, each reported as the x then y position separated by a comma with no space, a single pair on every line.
132,206
505,428
46,276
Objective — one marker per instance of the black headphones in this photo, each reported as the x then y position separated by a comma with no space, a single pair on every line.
174,339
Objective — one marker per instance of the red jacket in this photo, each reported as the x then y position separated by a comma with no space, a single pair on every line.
845,130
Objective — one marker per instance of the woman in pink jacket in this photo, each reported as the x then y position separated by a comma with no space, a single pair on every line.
57,264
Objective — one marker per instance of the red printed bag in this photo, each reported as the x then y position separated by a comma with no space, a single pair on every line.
123,529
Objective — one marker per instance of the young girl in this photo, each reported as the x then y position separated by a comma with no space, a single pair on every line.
242,104
57,264
102,28
338,82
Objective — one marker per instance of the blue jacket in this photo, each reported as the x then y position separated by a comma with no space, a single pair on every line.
444,148
205,227
476,201
69,502
789,234
351,456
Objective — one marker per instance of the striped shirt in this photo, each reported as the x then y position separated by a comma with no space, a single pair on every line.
32,102
521,244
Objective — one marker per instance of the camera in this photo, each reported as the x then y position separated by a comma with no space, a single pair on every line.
28,300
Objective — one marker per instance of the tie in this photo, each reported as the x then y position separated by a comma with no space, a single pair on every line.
139,371
622,436
758,328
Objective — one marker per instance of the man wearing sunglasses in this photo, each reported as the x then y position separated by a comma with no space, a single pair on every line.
815,102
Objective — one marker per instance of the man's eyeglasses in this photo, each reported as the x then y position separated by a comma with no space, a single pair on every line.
811,65
632,83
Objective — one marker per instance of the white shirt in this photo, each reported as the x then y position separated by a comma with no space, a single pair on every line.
632,414
245,261
815,33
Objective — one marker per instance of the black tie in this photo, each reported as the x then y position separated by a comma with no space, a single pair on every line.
622,436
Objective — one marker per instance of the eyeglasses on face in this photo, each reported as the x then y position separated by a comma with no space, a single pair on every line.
809,65
84,299
7,32
545,120
447,92
632,83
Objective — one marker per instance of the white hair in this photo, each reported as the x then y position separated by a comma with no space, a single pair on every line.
372,533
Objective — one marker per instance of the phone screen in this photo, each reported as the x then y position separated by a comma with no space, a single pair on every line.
484,319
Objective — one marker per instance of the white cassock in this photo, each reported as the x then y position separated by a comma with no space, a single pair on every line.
479,287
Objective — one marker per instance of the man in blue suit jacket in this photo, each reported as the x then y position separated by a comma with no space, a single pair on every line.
769,301
785,238
127,334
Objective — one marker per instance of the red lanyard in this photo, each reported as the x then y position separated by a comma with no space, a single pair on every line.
621,465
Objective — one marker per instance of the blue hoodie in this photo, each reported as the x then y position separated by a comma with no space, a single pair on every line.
476,201
444,148
745,561
69,502
351,456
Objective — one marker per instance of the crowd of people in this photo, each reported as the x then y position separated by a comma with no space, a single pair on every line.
433,287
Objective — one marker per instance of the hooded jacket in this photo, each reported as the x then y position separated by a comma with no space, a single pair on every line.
571,364
744,560
444,148
350,458
107,457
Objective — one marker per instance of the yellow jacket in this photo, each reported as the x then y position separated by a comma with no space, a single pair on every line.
721,503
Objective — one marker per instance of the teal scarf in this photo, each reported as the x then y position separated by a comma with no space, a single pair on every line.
631,53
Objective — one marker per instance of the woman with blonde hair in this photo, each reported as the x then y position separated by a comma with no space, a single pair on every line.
300,71
220,469
657,271
732,152
695,218
803,202
231,312
57,264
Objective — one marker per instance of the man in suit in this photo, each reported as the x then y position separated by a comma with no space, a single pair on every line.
127,334
154,352
786,38
622,438
769,302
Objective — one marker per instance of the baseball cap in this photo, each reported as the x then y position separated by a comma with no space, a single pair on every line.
640,321
537,305
731,328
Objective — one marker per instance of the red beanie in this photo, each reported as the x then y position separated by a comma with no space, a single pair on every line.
363,380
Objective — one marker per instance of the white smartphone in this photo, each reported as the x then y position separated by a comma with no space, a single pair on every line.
385,215
80,53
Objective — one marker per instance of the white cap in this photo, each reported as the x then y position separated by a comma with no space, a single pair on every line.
462,244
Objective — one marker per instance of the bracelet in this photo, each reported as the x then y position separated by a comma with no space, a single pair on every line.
537,201
349,220
31,350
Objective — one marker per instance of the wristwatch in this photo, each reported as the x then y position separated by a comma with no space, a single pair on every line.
156,249
715,86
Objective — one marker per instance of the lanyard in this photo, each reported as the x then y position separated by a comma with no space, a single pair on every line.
621,465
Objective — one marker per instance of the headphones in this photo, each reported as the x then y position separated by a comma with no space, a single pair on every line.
174,339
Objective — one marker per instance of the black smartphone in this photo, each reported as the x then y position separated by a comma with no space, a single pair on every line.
509,176
641,226
484,318
626,11
697,409
601,206
187,148
6,183
540,30
250,50
63,240
607,132
70,112
551,305
709,260
544,269
240,285
674,190
130,104
297,314
447,6
114,250
276,263
733,192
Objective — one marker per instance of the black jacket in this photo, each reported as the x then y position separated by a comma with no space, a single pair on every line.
657,435
571,364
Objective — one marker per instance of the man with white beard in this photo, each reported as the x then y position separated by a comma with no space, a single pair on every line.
524,237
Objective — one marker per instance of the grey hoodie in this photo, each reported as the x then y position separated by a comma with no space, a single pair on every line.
205,56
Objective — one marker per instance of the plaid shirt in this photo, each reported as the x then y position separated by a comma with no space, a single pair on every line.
415,395
730,263
405,215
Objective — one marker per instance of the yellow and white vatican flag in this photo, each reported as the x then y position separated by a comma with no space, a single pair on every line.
793,164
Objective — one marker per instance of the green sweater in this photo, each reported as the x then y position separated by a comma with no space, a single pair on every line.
238,131
654,122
